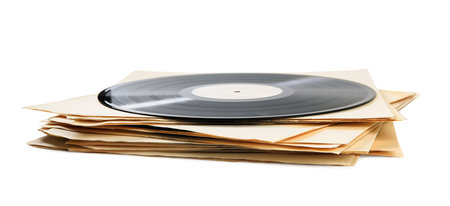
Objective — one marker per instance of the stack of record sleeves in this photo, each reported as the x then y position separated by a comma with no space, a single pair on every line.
323,118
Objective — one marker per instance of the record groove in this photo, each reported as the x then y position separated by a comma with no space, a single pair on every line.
236,96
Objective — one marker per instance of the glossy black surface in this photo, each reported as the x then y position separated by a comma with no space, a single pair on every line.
161,96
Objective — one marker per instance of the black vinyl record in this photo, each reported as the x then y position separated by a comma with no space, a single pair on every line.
236,96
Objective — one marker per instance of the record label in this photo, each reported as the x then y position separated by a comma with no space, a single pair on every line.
236,91
236,96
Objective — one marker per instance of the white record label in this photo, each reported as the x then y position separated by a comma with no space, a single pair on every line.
236,91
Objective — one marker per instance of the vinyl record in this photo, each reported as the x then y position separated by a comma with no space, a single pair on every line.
236,96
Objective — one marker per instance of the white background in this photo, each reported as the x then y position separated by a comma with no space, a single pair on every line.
53,50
